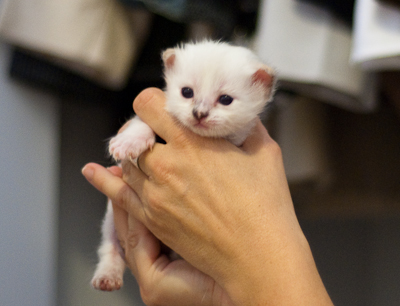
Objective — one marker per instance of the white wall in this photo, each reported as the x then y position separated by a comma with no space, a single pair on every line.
29,154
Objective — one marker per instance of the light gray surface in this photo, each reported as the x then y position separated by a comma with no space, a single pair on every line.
29,142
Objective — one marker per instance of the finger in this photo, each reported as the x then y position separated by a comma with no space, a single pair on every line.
142,161
121,224
138,164
135,178
113,187
258,138
115,170
149,105
143,248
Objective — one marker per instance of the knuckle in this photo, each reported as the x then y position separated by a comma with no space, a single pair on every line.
123,244
275,148
162,170
155,203
152,291
131,241
275,152
145,97
122,197
150,296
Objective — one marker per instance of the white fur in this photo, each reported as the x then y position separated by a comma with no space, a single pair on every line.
211,69
111,266
133,141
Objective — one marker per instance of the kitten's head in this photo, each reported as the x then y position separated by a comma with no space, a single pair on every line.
216,89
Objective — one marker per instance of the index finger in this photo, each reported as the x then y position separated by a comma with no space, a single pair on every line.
113,187
149,105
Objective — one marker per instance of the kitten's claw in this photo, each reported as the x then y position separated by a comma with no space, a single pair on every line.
125,146
107,283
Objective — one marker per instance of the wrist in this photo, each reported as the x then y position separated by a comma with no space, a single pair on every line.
288,276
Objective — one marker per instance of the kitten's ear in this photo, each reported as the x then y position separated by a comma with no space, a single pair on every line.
168,57
264,76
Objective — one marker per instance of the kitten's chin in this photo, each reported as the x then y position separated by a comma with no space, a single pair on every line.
201,129
203,132
207,130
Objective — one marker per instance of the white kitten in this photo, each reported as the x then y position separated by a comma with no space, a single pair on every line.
215,90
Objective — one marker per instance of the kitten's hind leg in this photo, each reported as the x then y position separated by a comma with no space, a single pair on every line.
110,269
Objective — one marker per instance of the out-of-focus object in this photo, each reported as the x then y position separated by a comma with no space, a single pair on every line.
311,50
302,134
220,14
342,9
390,86
391,2
92,37
376,36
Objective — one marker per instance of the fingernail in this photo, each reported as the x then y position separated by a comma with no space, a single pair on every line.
88,172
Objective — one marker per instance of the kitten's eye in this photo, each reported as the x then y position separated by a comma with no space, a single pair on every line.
187,92
225,99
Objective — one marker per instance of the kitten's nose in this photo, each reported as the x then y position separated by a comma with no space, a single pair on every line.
199,115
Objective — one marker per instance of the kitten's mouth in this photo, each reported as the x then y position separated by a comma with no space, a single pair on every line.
200,124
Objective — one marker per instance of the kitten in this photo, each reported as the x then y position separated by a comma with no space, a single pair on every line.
212,88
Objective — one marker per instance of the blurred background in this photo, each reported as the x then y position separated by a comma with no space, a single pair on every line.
69,71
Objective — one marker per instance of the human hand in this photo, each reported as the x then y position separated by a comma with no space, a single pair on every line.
226,210
161,281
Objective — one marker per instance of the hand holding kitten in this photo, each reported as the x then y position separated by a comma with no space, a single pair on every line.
226,210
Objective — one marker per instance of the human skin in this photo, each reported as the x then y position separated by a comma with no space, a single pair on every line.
226,210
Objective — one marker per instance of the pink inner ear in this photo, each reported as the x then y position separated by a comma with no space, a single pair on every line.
263,77
168,57
170,61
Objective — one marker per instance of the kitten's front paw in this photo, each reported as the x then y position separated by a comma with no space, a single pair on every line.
107,282
125,146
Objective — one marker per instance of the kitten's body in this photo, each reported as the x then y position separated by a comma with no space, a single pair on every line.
215,90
